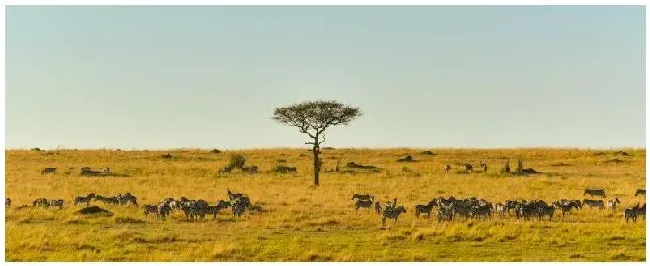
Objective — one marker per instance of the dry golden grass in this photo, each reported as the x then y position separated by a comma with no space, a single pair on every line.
306,223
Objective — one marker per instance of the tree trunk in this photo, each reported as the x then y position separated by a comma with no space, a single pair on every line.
316,150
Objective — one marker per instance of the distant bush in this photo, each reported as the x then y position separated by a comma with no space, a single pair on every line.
36,149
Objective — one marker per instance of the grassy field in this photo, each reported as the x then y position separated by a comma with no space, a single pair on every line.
301,222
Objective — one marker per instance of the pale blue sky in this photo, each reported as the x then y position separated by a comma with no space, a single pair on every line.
435,76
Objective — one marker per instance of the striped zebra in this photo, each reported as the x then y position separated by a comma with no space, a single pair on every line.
594,192
7,202
630,214
363,197
378,207
501,209
56,203
424,209
108,200
214,210
127,198
594,203
362,204
239,206
48,170
163,210
150,209
480,211
41,202
233,196
546,211
82,199
640,192
392,213
446,212
611,204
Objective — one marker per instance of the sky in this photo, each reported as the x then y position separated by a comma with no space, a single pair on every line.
145,77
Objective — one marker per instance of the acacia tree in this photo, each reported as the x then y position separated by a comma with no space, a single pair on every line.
313,118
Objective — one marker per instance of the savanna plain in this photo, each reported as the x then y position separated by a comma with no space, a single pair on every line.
302,222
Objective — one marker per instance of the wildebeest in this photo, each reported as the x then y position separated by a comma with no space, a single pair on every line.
48,170
595,192
640,192
363,197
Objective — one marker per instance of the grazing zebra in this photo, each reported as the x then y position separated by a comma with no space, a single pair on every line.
424,209
238,207
640,210
484,166
215,209
594,203
469,168
510,205
82,199
546,211
163,210
630,214
105,200
446,212
362,204
378,207
640,192
233,196
611,204
363,197
480,211
566,206
150,209
56,202
7,202
126,198
501,209
595,192
447,168
48,170
40,202
392,213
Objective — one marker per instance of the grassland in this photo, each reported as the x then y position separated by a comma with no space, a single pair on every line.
301,222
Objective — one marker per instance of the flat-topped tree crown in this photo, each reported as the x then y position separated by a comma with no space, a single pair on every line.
313,118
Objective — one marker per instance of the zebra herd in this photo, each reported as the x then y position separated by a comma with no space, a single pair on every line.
115,200
473,208
195,209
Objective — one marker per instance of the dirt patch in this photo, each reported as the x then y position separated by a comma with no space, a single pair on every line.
616,161
129,220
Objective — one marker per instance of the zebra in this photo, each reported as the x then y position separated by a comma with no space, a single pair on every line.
48,170
215,209
150,209
594,192
510,205
7,202
501,209
362,204
378,207
422,209
363,197
106,170
163,210
480,211
447,168
546,211
640,210
566,205
469,168
126,198
611,204
484,166
630,214
392,213
446,212
233,196
640,192
594,203
82,199
41,202
105,200
238,207
56,202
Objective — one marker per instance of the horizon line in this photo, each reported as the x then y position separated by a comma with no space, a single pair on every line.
342,148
